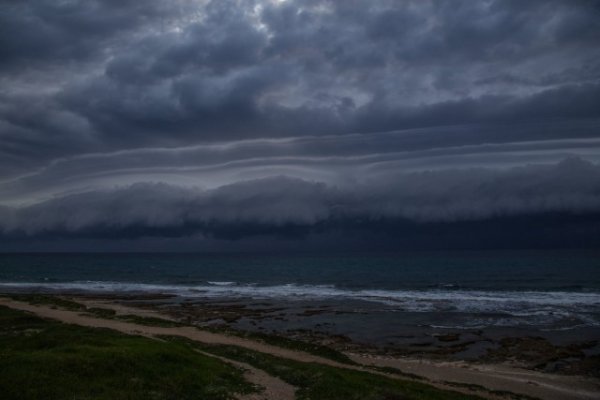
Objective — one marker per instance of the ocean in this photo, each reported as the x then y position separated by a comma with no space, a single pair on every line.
547,290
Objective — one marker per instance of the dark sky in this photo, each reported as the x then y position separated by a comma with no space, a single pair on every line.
299,125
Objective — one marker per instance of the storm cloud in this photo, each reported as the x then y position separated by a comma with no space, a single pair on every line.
280,205
236,119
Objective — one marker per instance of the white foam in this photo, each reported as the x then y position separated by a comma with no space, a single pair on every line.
538,307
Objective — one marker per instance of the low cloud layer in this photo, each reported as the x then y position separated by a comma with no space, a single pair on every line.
273,205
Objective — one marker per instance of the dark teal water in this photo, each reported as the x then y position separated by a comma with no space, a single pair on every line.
545,287
504,270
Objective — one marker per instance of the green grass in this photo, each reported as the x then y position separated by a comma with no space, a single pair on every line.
316,381
501,393
149,321
396,371
40,359
292,344
50,360
48,300
307,347
106,313
100,312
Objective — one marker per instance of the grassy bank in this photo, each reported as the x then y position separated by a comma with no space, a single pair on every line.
316,381
106,313
292,344
41,359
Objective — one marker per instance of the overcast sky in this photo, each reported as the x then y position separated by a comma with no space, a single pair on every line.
224,125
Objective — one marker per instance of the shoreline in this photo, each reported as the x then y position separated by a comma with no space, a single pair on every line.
481,377
360,327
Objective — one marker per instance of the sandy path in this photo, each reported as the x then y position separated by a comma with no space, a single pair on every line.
121,309
274,388
77,318
543,386
494,377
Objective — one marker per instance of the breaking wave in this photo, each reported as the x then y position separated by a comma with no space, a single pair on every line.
537,306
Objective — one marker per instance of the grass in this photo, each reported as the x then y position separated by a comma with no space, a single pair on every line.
76,350
41,359
48,300
292,344
149,321
100,312
50,360
501,393
316,381
106,313
396,371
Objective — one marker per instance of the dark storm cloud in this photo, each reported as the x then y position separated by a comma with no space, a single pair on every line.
278,203
40,33
336,160
185,72
324,110
331,67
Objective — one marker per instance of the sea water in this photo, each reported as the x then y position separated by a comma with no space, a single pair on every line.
547,289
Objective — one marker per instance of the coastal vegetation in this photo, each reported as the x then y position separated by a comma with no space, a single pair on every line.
317,381
43,359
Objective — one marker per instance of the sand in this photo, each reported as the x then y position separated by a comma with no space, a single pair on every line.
273,387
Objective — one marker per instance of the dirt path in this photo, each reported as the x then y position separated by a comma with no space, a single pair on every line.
121,309
494,377
274,388
78,318
543,386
